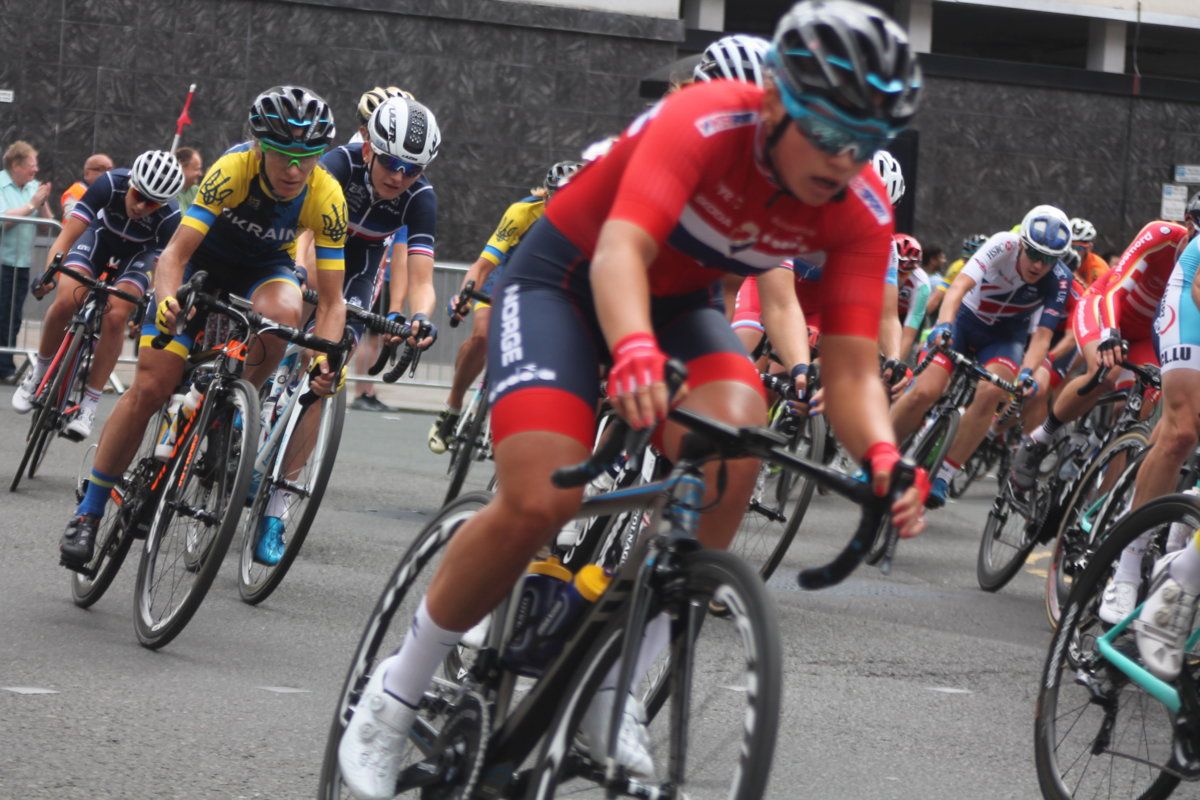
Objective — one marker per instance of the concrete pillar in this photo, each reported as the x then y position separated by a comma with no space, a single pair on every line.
1106,45
705,15
916,17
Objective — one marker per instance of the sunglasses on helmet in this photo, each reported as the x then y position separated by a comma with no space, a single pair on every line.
395,164
831,133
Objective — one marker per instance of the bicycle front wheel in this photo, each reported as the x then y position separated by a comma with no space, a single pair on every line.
1007,540
197,513
713,707
48,413
301,492
388,625
1096,732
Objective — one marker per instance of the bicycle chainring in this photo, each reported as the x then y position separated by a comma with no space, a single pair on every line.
460,750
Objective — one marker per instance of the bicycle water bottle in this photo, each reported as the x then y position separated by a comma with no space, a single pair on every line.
540,588
552,632
179,413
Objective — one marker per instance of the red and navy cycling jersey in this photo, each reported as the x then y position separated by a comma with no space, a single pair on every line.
102,207
371,220
687,174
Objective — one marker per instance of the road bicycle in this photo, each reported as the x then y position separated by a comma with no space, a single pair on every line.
718,680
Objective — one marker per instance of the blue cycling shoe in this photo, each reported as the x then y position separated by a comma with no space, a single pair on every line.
270,546
937,494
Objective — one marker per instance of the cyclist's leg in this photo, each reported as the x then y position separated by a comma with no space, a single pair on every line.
471,357
278,297
1069,405
911,407
133,280
977,417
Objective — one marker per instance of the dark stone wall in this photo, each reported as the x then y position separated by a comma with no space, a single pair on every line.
515,87
990,151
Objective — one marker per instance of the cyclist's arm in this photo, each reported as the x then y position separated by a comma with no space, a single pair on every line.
331,305
1039,344
954,296
398,277
619,279
855,401
478,272
168,270
889,323
421,295
72,229
783,317
1065,345
306,251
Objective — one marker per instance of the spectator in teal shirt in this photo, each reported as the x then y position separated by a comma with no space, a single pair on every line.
20,196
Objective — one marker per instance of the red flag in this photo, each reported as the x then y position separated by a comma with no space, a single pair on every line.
184,117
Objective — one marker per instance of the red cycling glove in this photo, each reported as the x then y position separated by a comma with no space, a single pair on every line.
637,362
882,458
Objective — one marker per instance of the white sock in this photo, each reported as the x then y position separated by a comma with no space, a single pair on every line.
1129,568
91,397
40,365
454,412
654,641
1186,568
279,503
425,647
947,471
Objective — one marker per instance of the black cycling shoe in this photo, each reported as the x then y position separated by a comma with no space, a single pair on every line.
78,542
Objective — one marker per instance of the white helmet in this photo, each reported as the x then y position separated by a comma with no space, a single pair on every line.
889,172
597,149
1082,230
157,176
1047,230
737,57
403,128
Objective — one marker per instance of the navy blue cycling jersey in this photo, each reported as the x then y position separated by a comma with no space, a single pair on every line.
372,221
102,207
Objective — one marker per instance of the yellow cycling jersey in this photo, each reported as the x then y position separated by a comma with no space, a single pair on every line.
244,223
944,281
518,219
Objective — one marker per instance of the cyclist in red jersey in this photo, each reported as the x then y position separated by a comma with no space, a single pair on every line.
719,177
1120,306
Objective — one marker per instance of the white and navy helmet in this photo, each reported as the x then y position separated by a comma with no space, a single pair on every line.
1082,230
738,57
405,129
890,173
1047,230
157,176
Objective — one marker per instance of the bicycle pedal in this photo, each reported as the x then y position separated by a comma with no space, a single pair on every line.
76,566
71,435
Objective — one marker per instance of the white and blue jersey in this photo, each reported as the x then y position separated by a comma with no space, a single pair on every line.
1177,327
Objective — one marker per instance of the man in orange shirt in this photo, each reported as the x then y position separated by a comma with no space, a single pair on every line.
96,165
1083,239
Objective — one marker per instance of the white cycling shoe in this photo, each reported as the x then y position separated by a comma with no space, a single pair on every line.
80,428
633,742
1165,622
22,399
375,743
1118,602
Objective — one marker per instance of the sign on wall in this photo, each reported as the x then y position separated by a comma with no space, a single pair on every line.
1174,201
1187,173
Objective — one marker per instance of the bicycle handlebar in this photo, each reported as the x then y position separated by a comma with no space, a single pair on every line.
465,296
94,284
970,364
1149,376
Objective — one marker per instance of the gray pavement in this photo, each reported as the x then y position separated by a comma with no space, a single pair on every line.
914,686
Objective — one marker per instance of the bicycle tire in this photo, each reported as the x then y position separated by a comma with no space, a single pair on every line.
1129,444
970,472
48,414
1070,654
329,437
465,450
993,574
232,467
755,541
112,545
396,604
707,575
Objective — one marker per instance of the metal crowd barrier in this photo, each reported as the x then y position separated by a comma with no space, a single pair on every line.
26,340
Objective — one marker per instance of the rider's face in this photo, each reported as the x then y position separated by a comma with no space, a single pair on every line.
812,175
1032,268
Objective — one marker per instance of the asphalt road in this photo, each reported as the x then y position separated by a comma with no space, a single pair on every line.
918,685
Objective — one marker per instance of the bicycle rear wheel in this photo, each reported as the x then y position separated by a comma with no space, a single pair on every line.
468,438
713,709
197,513
256,581
388,625
1096,733
780,499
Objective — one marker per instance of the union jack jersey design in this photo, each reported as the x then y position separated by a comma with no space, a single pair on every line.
1002,299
